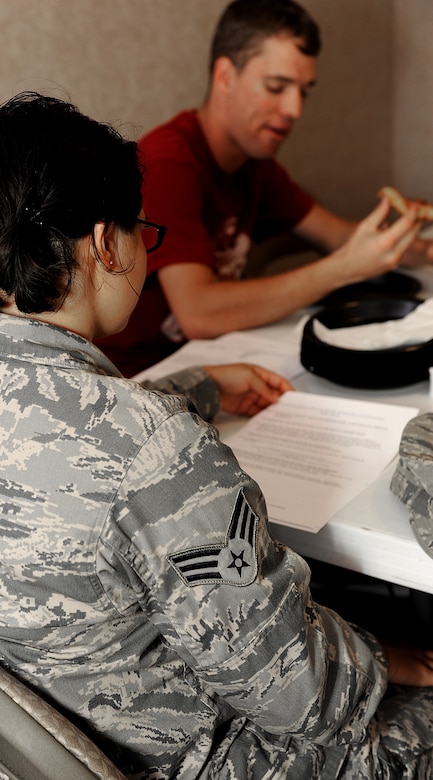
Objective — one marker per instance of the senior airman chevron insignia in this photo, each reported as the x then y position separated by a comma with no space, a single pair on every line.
231,563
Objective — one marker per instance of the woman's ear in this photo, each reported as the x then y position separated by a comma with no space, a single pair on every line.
103,245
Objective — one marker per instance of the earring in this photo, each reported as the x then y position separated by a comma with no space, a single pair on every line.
111,262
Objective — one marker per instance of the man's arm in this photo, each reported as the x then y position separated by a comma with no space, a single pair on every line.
206,307
325,230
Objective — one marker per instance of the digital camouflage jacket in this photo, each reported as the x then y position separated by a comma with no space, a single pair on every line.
141,590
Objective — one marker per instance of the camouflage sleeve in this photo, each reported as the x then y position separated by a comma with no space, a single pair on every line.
196,385
233,603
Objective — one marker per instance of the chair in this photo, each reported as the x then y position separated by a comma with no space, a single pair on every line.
38,743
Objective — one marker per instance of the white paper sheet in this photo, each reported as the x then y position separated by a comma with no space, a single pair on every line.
280,356
312,454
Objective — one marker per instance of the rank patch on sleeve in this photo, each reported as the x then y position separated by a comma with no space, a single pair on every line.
231,563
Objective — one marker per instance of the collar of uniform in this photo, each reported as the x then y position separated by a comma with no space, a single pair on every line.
22,338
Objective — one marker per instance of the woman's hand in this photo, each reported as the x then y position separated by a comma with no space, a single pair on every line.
246,388
408,665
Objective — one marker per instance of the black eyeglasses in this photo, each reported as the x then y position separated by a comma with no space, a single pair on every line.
153,234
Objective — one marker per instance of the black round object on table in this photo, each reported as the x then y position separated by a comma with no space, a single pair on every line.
393,284
366,369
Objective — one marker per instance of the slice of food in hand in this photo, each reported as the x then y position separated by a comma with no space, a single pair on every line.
402,204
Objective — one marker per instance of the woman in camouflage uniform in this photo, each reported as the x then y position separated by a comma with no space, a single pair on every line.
141,590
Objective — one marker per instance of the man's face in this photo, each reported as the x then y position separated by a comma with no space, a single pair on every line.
267,96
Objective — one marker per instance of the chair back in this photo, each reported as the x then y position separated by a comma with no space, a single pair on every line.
38,743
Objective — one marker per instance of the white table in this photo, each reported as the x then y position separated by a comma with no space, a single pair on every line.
372,534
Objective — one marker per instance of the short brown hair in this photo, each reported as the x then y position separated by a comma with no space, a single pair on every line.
246,23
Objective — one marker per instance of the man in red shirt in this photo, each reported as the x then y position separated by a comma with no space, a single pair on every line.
213,180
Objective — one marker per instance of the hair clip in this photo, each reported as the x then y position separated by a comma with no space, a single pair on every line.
34,216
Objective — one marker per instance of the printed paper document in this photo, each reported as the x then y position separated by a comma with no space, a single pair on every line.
312,454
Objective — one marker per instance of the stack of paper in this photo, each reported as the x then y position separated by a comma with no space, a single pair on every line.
237,347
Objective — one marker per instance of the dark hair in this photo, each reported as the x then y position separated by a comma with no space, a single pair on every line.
245,24
60,173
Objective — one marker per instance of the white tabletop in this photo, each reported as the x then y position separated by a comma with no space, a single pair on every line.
372,534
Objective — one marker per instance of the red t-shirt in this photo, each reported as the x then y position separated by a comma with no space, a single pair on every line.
212,218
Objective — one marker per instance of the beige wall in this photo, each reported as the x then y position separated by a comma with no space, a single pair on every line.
412,138
136,62
129,61
340,148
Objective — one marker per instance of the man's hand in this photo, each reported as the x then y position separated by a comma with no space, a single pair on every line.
408,665
375,247
419,253
246,388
